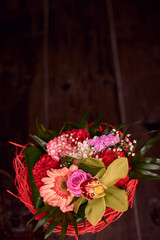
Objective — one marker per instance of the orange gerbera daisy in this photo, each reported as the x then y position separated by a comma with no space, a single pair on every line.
54,191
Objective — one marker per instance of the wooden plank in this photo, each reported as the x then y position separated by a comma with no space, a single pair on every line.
79,78
81,74
138,44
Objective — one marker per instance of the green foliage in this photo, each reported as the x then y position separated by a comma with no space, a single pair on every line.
45,208
81,214
104,220
73,221
84,121
41,143
73,200
64,227
80,201
52,214
93,129
53,226
54,211
142,167
107,129
139,173
92,162
67,161
91,165
32,155
145,147
45,134
121,126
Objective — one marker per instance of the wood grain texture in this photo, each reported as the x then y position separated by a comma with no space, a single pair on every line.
81,74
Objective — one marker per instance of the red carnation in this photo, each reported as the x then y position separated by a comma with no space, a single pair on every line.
108,156
40,168
76,135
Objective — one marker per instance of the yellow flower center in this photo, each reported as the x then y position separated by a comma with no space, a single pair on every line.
99,189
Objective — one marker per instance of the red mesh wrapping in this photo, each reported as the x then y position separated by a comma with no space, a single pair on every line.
25,196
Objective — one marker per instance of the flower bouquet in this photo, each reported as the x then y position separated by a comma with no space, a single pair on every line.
81,178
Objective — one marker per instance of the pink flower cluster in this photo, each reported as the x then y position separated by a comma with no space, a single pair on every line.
66,144
103,141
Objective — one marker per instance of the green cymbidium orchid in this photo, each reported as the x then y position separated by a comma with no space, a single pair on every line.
101,192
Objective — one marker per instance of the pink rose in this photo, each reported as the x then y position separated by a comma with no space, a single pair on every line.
77,177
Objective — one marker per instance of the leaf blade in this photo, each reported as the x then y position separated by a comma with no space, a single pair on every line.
52,226
39,141
73,221
145,147
32,155
64,227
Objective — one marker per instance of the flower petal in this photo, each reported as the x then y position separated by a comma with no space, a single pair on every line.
95,210
116,199
115,171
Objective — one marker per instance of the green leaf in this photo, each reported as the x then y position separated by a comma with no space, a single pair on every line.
80,201
84,121
91,165
67,160
137,141
43,209
64,227
147,166
147,160
73,200
125,133
49,215
116,199
121,126
75,125
32,155
145,147
142,174
45,134
81,213
92,162
127,129
95,210
107,129
73,221
95,126
116,170
88,169
104,220
65,125
39,141
53,226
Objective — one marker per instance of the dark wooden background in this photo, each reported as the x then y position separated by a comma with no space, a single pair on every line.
59,57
